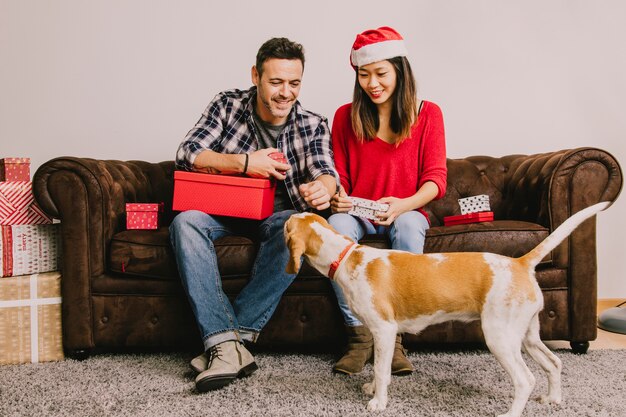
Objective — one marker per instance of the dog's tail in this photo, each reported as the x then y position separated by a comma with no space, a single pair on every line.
540,251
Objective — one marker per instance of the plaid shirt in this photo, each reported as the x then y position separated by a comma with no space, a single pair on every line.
227,126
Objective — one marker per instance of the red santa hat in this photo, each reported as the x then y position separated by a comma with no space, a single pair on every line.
376,45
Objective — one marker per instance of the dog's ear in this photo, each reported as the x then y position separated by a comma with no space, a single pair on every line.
296,249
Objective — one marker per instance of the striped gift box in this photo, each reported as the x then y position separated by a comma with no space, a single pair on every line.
29,249
30,319
17,204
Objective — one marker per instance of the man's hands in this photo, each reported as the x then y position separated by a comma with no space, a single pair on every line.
260,165
316,193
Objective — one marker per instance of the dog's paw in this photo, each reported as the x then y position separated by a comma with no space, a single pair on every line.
376,405
547,399
368,389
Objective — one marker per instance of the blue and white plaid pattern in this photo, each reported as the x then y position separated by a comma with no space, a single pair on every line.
227,126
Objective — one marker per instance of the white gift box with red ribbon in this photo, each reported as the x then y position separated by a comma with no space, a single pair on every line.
362,207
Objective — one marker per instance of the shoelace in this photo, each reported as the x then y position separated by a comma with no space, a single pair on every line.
214,352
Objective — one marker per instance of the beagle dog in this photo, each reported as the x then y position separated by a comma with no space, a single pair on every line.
393,292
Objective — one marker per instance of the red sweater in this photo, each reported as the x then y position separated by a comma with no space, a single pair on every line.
376,169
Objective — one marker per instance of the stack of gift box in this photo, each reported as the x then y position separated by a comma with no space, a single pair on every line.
30,280
474,209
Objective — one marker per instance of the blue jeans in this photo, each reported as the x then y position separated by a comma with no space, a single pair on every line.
407,232
192,234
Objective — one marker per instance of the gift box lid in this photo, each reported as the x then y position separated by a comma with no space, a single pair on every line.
480,197
144,207
483,216
15,161
233,180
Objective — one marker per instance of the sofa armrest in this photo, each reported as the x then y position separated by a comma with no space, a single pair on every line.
549,188
564,183
89,197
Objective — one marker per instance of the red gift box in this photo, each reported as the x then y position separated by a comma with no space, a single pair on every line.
143,216
484,216
15,169
224,195
17,204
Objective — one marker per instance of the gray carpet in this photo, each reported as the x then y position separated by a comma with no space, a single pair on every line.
467,383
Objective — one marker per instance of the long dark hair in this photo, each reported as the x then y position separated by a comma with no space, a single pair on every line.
365,121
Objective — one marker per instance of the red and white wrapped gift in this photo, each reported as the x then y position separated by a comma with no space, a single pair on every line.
30,319
29,249
143,216
474,209
474,204
362,207
18,206
15,169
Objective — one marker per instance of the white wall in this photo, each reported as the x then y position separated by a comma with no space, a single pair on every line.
126,79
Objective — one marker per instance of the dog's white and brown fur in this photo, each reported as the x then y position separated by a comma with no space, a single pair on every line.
394,292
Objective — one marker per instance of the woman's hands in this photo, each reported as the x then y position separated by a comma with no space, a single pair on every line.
397,206
340,203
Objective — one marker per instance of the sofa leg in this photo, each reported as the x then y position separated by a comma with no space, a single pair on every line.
78,354
579,347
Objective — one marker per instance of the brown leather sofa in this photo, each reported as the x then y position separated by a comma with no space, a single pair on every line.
121,288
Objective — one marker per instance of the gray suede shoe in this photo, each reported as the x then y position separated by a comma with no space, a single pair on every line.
199,363
226,362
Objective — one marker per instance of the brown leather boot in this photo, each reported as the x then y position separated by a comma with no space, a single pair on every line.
359,351
400,365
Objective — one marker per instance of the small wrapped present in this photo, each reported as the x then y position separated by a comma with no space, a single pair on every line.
30,319
474,204
17,204
484,216
15,169
143,216
29,249
362,207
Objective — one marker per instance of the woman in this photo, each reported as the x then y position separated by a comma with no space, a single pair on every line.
389,147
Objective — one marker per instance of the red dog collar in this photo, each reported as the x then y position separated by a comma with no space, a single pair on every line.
335,265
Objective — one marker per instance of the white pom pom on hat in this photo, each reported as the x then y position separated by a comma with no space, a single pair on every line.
376,45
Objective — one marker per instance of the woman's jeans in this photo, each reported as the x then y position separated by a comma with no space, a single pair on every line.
192,234
407,232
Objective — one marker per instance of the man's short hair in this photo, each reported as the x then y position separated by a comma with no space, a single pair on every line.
281,48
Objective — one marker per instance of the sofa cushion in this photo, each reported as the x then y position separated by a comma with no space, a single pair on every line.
148,254
504,237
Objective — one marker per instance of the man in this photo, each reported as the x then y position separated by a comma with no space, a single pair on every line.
236,133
